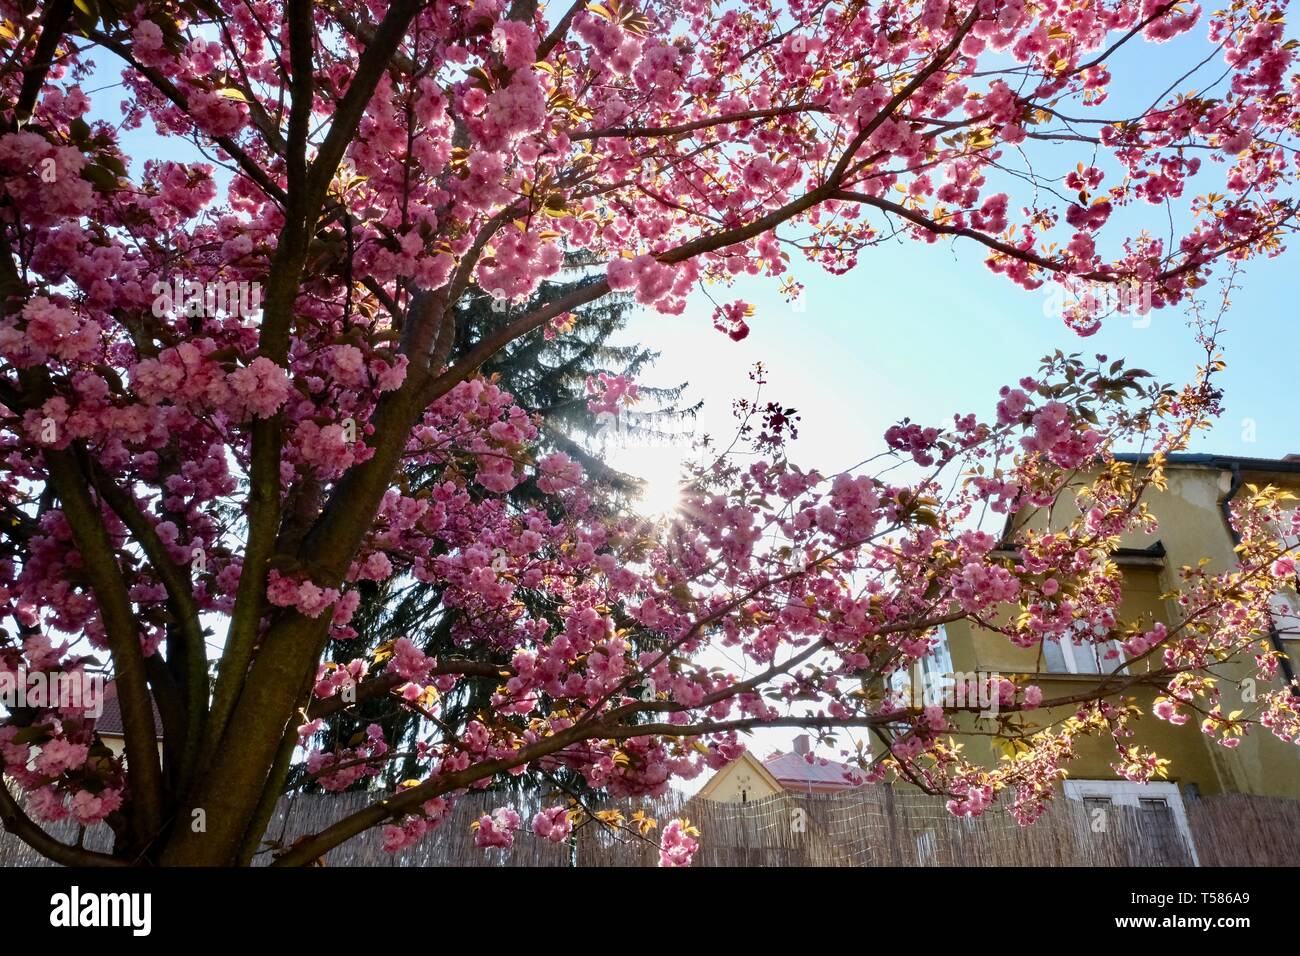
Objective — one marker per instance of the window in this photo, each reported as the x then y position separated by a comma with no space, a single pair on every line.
1158,821
1286,615
1156,808
937,664
1076,656
939,660
1160,803
1285,604
745,783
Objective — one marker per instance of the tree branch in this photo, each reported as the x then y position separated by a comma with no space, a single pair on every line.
22,826
54,21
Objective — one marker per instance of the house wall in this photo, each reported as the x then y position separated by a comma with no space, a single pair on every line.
118,745
737,781
1191,527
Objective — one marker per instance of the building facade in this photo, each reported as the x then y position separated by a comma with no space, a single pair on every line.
1192,513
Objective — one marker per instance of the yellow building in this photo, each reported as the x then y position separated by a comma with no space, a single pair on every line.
1193,524
778,832
747,779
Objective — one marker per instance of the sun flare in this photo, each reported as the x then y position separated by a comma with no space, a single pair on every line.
660,471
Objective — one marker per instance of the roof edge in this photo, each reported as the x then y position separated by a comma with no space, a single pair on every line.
1216,461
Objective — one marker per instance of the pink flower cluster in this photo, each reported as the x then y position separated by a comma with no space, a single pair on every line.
300,593
654,282
352,763
676,846
553,824
558,472
1058,437
609,393
497,829
416,827
730,318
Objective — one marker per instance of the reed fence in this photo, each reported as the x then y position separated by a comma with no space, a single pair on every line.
872,826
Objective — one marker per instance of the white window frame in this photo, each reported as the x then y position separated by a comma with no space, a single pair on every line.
1285,611
1284,604
1072,655
1125,793
938,663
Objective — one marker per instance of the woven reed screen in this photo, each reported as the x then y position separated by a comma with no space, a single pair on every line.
873,826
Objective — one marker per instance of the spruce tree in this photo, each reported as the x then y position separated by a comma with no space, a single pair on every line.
547,372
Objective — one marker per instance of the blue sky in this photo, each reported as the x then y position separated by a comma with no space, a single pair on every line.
926,330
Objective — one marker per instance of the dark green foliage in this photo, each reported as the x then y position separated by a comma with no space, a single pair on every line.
548,377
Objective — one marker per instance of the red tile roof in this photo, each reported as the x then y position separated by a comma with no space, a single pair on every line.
817,774
110,721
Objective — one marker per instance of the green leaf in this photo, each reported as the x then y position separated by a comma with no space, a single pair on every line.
86,13
101,177
113,163
35,734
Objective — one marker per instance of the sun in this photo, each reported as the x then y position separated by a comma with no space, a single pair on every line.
661,496
660,471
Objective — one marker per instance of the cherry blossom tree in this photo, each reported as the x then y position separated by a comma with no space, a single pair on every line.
216,366
548,374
